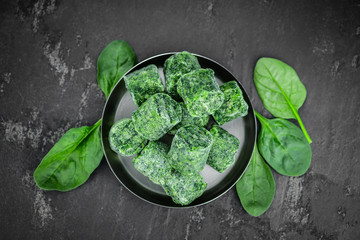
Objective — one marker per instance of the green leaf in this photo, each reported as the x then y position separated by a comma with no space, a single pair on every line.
256,188
280,89
283,146
72,159
114,61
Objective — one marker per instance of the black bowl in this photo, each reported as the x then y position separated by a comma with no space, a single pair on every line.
120,105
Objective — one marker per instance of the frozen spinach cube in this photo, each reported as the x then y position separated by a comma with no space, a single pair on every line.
175,66
187,119
155,117
184,189
144,83
153,162
200,92
190,149
124,139
223,150
234,104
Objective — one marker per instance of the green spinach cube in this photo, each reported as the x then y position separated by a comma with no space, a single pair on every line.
187,119
223,150
200,92
234,104
144,83
184,189
124,139
153,162
190,149
155,117
176,66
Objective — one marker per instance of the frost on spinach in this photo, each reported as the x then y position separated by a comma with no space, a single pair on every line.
190,149
124,139
153,162
155,117
200,92
223,150
234,104
187,119
144,83
175,66
184,189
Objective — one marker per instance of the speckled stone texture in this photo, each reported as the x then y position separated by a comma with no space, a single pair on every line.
48,84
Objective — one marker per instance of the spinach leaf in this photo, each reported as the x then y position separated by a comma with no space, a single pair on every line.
79,152
280,89
283,146
256,188
114,61
72,159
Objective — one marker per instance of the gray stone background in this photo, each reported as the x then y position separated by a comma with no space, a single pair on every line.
48,54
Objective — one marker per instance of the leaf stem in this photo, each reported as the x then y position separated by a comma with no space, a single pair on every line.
258,115
303,128
261,119
98,122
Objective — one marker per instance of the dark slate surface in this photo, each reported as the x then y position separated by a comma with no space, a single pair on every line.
48,85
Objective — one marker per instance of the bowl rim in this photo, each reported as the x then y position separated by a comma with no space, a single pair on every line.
178,205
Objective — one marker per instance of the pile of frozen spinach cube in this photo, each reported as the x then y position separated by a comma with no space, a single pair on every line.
182,109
